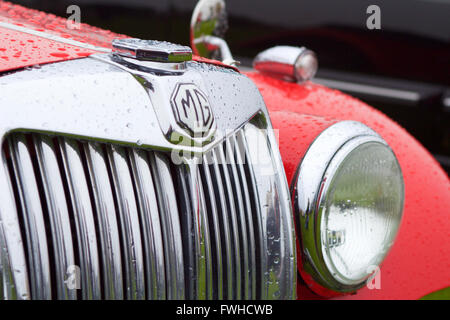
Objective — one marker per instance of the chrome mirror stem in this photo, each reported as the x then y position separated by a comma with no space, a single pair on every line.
216,43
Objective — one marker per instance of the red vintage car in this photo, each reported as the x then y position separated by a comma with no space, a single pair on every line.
133,169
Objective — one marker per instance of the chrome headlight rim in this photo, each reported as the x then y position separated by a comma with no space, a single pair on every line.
312,182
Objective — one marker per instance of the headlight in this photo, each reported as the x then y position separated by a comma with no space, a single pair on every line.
349,197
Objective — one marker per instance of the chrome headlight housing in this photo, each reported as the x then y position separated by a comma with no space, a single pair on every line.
349,203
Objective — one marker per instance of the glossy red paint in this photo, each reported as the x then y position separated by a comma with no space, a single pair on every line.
296,133
19,49
49,23
419,262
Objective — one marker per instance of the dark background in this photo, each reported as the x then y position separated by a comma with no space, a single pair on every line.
411,52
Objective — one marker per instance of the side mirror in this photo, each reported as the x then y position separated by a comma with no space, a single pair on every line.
297,64
209,24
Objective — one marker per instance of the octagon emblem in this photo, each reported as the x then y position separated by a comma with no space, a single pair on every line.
192,110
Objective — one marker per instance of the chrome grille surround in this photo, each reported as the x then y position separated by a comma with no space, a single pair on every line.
94,185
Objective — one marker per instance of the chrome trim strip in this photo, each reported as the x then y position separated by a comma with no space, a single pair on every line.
234,224
173,247
59,217
53,37
235,183
107,221
248,218
369,89
225,225
129,223
152,235
287,244
276,219
84,219
33,218
215,222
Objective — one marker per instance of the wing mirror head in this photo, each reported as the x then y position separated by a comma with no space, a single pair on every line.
209,24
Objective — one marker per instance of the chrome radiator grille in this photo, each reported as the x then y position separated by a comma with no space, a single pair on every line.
102,221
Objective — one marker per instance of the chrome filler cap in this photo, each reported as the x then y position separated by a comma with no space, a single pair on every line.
151,50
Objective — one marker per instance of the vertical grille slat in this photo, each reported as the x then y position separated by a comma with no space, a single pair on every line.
216,238
4,285
33,216
191,247
106,217
205,237
7,286
235,185
223,212
240,158
58,213
84,219
233,224
14,276
256,217
169,217
129,223
152,235
195,230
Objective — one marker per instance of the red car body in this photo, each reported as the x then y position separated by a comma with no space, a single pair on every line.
419,262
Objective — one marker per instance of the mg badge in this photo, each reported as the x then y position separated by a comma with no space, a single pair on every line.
193,111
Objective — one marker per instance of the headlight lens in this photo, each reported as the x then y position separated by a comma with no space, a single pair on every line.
362,209
355,205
